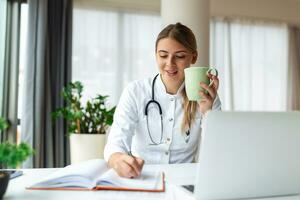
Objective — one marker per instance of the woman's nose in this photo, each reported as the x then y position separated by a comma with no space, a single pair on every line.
170,61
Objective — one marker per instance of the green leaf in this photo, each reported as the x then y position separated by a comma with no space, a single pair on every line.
95,117
12,155
3,124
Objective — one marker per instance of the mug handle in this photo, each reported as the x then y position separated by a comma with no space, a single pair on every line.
215,73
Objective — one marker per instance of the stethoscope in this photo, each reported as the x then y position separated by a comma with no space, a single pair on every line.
153,101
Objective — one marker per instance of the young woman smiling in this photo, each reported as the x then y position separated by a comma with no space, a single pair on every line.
154,119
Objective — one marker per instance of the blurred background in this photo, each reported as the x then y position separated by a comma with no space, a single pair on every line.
105,44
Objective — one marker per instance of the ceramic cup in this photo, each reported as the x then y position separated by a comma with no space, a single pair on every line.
193,77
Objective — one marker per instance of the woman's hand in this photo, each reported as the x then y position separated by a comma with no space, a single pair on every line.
207,99
125,165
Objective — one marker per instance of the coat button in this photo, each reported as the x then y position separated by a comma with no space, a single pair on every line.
172,99
167,153
171,119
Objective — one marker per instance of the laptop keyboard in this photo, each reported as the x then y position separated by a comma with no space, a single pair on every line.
189,187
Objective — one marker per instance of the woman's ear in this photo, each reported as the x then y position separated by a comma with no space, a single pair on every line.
195,56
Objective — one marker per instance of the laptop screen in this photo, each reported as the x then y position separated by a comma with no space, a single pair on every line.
249,154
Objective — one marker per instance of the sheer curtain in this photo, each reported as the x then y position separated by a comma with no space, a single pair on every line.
112,48
252,58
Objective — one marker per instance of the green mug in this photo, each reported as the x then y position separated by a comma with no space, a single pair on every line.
193,77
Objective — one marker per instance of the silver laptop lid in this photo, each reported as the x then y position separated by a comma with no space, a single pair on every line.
249,154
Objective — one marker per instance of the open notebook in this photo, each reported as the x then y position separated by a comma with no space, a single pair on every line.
94,175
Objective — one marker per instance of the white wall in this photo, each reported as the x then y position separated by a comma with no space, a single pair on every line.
275,10
151,6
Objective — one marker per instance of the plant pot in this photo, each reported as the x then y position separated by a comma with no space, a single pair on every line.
4,179
86,146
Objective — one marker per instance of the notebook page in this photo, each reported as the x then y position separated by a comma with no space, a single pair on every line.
82,174
147,180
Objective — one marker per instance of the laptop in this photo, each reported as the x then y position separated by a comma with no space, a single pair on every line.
249,155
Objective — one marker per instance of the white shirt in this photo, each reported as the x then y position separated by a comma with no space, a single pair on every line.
129,129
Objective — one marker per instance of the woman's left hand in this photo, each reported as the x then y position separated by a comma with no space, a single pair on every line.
207,99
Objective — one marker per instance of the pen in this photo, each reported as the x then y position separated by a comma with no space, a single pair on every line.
129,153
127,149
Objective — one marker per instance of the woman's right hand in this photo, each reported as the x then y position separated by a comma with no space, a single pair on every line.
125,165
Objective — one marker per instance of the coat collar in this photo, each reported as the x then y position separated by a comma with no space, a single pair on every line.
162,88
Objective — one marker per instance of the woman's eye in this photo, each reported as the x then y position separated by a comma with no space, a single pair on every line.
163,56
180,56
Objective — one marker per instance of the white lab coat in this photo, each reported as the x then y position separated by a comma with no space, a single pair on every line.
129,129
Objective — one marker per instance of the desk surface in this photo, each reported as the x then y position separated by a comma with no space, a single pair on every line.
176,174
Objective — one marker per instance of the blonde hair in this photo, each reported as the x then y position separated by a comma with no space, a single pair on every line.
186,37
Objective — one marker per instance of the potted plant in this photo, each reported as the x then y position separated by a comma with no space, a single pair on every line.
11,155
87,125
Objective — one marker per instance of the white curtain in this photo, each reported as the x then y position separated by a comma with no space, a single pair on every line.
252,58
112,48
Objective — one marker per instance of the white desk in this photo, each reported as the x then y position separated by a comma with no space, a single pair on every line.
176,174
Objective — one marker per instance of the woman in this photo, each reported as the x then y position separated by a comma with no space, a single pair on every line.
154,119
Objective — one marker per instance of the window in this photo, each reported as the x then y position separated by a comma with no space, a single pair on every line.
112,48
3,5
22,60
13,35
252,58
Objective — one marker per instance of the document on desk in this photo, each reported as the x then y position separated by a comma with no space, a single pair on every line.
95,175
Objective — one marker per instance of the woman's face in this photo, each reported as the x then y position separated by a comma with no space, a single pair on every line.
172,58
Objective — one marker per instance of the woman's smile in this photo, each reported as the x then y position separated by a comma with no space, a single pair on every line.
171,73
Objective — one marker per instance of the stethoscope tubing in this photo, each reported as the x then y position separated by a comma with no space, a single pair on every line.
153,101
